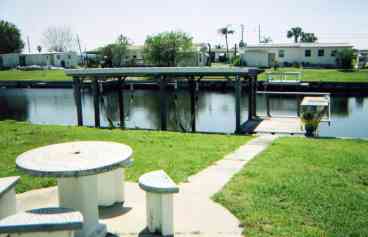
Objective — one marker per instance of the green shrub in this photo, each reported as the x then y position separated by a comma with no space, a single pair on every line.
236,61
345,58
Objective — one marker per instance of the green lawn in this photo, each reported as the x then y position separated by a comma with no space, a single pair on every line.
179,154
45,75
326,75
303,187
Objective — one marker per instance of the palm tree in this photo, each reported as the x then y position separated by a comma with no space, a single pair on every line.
225,31
295,32
308,38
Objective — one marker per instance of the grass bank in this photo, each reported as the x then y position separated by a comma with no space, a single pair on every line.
42,75
303,187
325,75
179,154
322,75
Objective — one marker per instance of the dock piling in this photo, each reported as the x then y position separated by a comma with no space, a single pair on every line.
96,101
237,86
121,84
163,102
77,84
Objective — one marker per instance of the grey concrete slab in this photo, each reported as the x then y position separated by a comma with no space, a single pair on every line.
7,183
157,182
42,220
73,159
195,214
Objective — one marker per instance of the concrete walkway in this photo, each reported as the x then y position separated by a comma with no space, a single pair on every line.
195,213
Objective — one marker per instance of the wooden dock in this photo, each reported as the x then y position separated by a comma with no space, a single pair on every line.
291,126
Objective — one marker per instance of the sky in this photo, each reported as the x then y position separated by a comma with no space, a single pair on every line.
99,22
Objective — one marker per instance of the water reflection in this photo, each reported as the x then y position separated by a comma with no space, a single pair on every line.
215,110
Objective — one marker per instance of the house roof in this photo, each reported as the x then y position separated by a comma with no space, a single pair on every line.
301,45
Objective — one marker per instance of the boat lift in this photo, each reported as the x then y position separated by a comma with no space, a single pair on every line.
304,100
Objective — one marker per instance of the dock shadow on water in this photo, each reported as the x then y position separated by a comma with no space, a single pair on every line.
215,111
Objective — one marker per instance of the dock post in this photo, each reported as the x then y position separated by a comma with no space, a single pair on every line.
298,101
78,99
193,87
163,103
96,101
268,105
250,98
237,103
121,84
254,91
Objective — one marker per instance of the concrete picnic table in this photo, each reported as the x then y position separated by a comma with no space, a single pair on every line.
88,173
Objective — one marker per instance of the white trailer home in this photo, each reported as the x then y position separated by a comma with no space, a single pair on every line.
56,59
308,54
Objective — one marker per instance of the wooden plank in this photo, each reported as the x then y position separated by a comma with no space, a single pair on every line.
280,126
96,101
163,71
78,100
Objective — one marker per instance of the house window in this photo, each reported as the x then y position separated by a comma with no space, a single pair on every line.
69,56
308,53
281,53
321,53
58,57
333,53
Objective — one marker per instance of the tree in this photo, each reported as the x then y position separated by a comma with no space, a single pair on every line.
59,39
225,31
345,58
120,50
168,48
115,53
10,38
39,48
308,38
296,33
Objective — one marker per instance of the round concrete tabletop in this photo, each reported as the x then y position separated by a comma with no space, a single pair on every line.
75,159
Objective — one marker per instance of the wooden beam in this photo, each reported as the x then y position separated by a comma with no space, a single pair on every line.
163,102
96,101
121,83
78,99
237,86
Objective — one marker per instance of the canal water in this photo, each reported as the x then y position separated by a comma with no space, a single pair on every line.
215,110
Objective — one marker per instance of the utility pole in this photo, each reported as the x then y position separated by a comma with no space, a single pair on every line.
29,46
242,32
259,33
80,49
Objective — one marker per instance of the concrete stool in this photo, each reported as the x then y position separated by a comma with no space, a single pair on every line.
159,201
7,196
45,222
